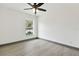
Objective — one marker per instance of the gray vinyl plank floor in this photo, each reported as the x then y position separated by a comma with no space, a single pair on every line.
37,47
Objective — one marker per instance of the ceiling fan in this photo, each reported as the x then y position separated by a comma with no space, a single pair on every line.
35,7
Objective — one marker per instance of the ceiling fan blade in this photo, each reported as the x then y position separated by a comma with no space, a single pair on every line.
40,4
41,9
30,4
28,8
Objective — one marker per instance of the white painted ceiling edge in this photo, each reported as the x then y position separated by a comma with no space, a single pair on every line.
21,6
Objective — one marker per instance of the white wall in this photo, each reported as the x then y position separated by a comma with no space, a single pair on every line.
60,24
12,25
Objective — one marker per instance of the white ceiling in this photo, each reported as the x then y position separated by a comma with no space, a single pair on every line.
20,7
48,6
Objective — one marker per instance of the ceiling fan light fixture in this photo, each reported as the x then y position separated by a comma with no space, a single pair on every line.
35,7
33,10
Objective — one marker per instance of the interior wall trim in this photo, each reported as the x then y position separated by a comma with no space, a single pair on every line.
60,43
18,41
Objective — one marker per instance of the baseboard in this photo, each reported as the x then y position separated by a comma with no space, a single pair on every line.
41,39
18,41
60,43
